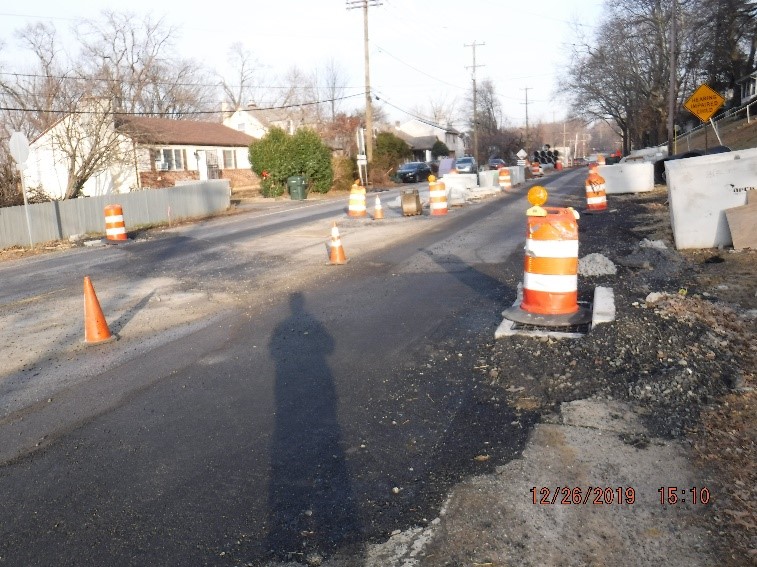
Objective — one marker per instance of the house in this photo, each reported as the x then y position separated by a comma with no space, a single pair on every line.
257,121
131,153
748,86
420,131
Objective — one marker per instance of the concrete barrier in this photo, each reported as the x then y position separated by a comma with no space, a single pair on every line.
488,178
700,189
517,174
627,177
458,187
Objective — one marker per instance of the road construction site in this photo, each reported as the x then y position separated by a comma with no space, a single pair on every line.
609,420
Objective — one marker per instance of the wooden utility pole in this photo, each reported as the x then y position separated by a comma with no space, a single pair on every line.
528,133
672,87
352,4
475,98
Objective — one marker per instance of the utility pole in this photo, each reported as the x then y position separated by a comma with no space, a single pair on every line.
475,98
528,133
672,88
352,4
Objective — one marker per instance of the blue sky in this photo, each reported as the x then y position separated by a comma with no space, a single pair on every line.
417,55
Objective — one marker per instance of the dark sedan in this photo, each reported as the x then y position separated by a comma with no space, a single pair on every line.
413,172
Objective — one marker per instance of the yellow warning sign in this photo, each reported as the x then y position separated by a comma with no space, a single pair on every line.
704,103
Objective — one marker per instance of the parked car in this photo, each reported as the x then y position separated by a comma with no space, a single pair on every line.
466,164
496,163
413,172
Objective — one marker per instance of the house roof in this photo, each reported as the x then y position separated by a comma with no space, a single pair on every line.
149,130
418,142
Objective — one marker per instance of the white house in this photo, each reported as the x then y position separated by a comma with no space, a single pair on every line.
142,152
422,130
256,121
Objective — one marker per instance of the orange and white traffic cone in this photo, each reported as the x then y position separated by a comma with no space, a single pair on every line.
356,205
596,196
336,254
505,182
437,194
550,278
95,327
378,212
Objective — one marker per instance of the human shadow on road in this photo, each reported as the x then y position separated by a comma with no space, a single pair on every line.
310,503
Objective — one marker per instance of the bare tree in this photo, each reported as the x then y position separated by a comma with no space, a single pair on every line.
134,62
334,85
246,83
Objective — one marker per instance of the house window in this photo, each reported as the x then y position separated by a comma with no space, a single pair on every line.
229,159
171,159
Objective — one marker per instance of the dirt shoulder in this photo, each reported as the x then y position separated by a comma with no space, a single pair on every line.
635,415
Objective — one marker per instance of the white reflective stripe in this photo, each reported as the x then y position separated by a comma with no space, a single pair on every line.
441,193
357,207
596,200
114,218
336,243
552,248
117,230
438,205
554,284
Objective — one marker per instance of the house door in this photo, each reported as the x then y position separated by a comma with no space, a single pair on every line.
213,171
202,165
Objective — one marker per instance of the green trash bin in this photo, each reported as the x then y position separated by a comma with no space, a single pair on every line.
297,187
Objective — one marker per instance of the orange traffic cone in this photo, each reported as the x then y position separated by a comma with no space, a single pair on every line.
336,255
95,327
378,212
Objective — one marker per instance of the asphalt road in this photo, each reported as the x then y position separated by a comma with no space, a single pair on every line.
309,426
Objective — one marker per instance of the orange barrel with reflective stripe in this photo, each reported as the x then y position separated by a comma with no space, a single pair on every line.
437,193
596,197
601,159
536,169
115,227
505,182
356,207
550,279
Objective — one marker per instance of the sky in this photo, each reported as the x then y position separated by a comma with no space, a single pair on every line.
419,50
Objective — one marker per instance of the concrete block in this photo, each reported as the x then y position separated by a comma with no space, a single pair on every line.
701,189
627,177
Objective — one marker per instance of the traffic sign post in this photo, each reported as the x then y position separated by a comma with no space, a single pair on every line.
703,104
19,148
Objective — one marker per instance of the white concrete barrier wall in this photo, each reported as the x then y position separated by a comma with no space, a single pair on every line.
627,177
700,189
488,178
517,175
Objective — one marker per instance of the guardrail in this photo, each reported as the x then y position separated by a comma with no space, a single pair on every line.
56,220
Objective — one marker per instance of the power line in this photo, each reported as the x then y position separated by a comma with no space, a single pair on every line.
187,113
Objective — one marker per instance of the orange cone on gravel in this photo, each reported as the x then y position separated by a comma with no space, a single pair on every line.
95,327
336,255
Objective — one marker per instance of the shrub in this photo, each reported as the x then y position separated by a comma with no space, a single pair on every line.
439,149
277,156
390,152
345,172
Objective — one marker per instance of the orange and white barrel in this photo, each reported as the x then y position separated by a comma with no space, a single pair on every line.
505,182
437,193
536,169
356,206
550,279
596,195
601,159
115,227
